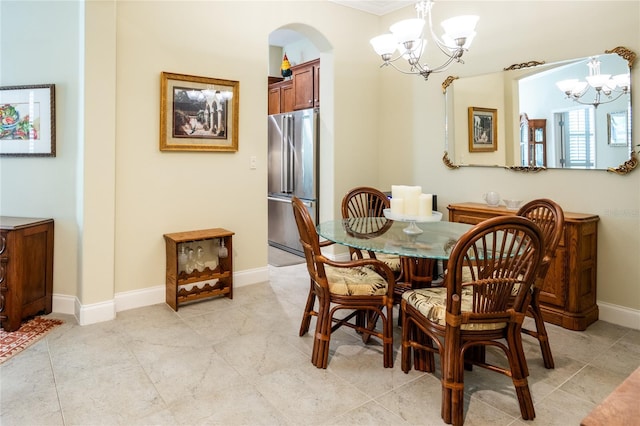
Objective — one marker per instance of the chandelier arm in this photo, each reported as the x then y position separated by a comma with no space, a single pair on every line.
442,46
447,64
416,65
597,101
419,71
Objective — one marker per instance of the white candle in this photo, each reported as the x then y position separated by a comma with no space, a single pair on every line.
411,200
397,191
425,205
397,205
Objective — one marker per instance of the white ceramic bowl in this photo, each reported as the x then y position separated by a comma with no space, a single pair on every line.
512,204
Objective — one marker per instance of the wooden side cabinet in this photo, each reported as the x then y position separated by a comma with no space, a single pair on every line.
568,295
199,265
26,269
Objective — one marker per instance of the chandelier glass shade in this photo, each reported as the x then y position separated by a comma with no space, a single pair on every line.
407,41
606,88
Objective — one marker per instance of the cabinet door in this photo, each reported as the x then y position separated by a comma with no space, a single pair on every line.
553,289
303,87
274,100
286,98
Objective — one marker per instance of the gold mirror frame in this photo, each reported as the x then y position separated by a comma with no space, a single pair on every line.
622,169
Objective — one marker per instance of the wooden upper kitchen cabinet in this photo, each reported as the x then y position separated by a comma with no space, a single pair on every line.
306,85
300,92
568,295
281,97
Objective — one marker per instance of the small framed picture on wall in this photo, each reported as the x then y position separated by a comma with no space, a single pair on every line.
28,121
483,129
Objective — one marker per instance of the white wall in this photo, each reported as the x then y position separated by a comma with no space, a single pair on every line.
46,187
540,34
112,192
378,128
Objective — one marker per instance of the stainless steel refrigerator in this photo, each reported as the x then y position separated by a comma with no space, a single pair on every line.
293,171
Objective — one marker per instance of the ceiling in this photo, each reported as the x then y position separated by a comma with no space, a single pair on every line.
375,7
283,37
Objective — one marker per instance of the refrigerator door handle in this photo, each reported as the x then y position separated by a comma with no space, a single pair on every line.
284,175
290,152
287,152
280,200
288,201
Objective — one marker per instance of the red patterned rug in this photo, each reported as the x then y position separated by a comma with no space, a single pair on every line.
14,342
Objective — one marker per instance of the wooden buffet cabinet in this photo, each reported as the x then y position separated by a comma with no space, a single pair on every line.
26,269
568,296
300,92
178,280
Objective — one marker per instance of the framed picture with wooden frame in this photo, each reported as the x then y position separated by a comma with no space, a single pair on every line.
483,129
198,113
28,121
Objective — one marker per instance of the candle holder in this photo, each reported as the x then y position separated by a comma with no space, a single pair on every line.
412,229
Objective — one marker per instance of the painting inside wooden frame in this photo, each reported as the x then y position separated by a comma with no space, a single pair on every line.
483,129
198,113
27,121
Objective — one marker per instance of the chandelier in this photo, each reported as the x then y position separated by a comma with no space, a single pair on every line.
602,84
408,38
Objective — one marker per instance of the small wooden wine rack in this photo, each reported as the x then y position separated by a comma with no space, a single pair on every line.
222,273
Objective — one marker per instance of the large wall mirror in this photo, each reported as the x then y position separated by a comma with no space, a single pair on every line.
536,116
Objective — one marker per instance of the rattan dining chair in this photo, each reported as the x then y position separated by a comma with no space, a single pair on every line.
357,286
364,201
502,256
549,216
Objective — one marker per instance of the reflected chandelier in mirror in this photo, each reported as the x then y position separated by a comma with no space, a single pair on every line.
541,127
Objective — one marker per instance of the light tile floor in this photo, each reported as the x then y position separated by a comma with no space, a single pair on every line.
241,362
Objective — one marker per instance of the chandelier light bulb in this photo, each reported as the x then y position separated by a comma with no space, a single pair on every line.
579,88
460,27
407,30
622,80
566,86
598,81
384,44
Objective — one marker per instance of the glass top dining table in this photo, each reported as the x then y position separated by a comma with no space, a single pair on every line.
383,235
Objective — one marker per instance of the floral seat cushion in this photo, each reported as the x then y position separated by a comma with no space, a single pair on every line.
431,302
391,260
361,281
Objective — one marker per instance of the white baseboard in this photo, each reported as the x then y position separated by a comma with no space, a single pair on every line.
619,315
106,311
96,312
64,304
139,298
250,276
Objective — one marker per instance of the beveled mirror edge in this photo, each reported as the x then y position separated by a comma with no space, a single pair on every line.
622,169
